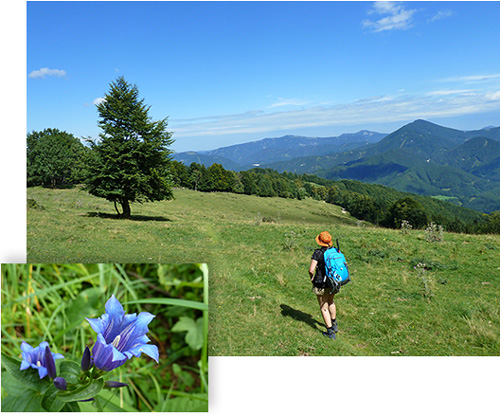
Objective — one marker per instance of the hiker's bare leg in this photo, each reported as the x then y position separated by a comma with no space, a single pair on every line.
331,307
324,307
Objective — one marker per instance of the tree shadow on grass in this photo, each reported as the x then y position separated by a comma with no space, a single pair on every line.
132,217
300,316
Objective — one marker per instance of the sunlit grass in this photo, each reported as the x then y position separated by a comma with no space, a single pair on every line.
260,296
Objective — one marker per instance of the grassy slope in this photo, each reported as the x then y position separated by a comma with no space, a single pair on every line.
260,298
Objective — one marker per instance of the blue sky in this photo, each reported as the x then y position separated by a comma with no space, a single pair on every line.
226,73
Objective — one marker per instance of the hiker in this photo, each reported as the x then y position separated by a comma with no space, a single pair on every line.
317,274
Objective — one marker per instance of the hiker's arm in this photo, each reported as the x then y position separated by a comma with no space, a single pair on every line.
312,268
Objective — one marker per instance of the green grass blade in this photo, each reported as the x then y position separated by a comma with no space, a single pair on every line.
172,302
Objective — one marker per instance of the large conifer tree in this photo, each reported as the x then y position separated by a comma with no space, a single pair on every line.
131,159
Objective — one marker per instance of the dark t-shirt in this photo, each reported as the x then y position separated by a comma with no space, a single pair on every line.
319,276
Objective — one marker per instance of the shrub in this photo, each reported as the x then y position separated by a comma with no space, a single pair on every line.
421,269
290,241
406,227
32,204
434,233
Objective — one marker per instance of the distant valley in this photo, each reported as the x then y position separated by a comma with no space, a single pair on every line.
462,167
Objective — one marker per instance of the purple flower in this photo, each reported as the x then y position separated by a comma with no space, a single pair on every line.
50,363
60,383
86,360
114,384
120,336
39,358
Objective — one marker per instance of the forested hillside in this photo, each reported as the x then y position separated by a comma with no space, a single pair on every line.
421,157
370,202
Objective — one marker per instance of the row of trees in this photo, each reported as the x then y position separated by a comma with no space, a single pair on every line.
375,208
55,159
217,179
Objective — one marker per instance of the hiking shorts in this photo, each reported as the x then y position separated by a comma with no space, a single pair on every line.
320,292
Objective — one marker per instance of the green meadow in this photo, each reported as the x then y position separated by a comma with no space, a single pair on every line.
408,296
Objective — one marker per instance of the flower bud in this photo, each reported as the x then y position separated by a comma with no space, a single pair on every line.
114,384
86,360
60,383
50,364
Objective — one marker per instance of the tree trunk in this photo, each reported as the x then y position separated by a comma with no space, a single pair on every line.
125,208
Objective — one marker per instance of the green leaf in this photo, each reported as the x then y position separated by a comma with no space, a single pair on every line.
10,385
70,370
30,401
87,303
29,378
71,407
194,329
88,391
50,401
98,404
184,404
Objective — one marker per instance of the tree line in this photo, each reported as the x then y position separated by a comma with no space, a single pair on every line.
376,204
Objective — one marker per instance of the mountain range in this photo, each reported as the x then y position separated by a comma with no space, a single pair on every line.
269,150
462,167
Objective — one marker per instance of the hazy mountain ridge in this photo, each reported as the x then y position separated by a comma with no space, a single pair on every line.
424,158
269,150
420,157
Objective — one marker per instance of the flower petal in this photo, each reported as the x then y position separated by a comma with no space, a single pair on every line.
42,372
25,347
41,347
114,307
100,353
113,324
106,357
136,329
96,324
144,318
25,365
148,349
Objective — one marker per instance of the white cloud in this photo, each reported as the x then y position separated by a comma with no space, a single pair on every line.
98,100
397,16
449,92
47,72
283,102
472,78
380,109
493,96
442,14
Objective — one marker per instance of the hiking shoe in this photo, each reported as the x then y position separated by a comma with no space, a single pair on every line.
335,327
329,333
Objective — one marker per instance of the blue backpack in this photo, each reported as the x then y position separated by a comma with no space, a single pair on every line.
336,270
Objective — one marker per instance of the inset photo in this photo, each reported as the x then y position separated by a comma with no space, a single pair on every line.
104,337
